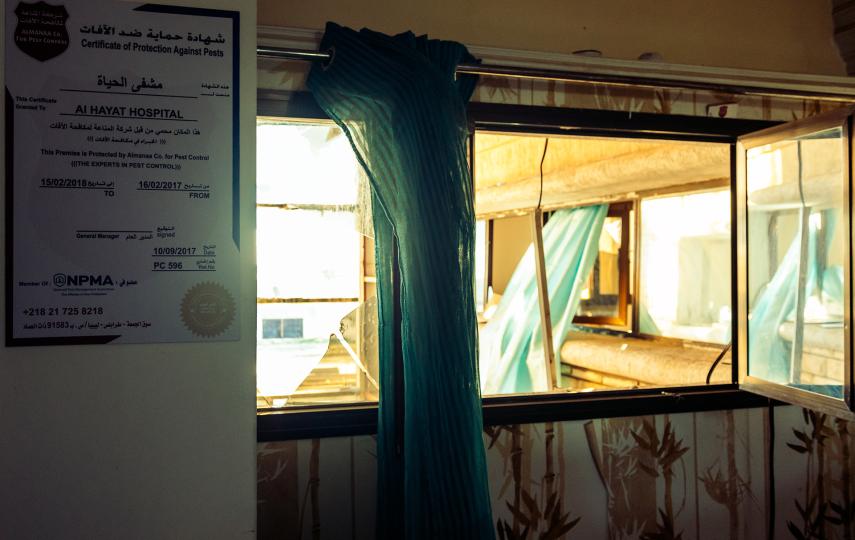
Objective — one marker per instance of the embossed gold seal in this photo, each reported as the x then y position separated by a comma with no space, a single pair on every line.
207,309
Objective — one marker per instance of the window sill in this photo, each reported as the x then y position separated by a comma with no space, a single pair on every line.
606,360
341,421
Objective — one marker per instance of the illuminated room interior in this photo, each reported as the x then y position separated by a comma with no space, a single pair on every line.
660,286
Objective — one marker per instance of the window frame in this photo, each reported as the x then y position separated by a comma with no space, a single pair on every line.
838,118
487,261
624,325
363,278
538,218
621,210
297,422
701,187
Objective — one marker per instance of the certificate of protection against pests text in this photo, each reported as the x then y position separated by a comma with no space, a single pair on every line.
122,221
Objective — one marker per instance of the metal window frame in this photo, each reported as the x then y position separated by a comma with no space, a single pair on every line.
839,118
676,191
314,116
361,418
308,422
622,210
597,123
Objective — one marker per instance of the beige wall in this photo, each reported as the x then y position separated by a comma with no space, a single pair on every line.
137,441
511,238
777,35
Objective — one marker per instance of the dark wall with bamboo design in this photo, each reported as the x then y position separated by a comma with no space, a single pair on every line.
686,476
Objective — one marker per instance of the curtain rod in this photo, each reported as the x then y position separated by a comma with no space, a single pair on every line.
636,81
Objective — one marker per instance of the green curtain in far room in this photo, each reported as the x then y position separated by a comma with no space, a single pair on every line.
404,111
512,355
768,352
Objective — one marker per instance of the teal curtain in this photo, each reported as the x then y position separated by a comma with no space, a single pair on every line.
768,352
404,111
512,359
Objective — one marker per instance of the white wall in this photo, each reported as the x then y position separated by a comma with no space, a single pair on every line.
138,441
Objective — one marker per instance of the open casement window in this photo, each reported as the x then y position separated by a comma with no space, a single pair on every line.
794,253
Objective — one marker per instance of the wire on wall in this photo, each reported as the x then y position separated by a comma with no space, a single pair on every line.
542,159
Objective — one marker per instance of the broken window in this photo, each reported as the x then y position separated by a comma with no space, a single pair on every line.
317,313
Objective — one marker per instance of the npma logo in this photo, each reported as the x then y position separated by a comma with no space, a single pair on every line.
81,280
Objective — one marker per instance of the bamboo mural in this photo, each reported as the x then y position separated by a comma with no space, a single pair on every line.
278,496
549,475
534,513
733,478
685,477
664,453
723,483
825,508
843,509
314,485
620,461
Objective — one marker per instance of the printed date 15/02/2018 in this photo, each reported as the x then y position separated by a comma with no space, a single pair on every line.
63,310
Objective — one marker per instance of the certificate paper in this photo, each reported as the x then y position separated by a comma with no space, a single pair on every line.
121,173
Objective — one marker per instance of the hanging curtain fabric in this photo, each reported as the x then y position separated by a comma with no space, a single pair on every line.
777,304
403,110
512,357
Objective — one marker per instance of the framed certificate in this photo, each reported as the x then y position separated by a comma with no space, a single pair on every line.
121,173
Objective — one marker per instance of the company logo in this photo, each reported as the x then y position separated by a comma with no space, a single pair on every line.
81,280
41,31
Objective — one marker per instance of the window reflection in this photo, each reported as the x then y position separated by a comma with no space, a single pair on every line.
796,257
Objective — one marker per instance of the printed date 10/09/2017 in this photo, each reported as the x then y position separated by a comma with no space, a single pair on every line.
63,310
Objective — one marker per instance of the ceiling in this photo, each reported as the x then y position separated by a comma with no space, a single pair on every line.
581,170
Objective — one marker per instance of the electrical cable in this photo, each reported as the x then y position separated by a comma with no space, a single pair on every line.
542,159
717,360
